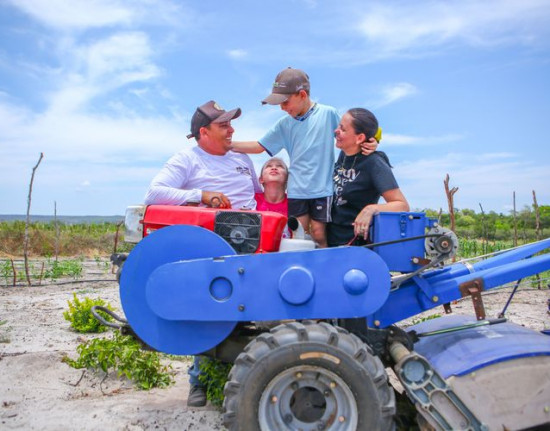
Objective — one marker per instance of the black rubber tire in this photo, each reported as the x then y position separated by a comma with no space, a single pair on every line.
315,351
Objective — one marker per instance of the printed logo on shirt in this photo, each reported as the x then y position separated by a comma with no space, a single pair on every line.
243,170
341,178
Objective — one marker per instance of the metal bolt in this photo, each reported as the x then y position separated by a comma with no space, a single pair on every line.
274,399
546,409
377,323
241,307
294,386
435,298
298,375
415,260
321,425
288,418
410,217
327,393
332,385
341,419
240,270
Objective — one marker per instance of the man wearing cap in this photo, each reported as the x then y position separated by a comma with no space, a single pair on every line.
211,175
307,134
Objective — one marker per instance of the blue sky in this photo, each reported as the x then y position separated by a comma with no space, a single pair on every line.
105,89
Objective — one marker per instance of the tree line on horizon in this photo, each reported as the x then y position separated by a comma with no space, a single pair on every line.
84,238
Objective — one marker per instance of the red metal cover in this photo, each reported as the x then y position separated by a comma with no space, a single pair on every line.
159,216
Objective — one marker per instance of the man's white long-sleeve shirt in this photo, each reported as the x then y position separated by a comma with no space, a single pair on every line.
191,171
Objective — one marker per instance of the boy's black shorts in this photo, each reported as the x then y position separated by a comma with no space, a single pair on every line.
318,208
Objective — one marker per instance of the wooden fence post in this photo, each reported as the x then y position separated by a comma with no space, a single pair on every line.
27,222
450,200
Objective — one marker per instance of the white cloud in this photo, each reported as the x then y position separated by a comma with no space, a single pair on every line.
413,29
237,54
77,13
101,67
396,140
125,55
489,179
392,93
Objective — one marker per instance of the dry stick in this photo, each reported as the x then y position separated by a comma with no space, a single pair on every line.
116,235
537,216
515,222
485,234
41,274
116,243
27,222
56,230
537,228
79,380
14,272
450,199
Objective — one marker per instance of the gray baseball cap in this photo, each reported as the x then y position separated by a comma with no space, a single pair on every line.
209,113
287,82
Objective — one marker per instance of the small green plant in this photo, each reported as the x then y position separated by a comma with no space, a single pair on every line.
81,317
417,320
60,268
102,264
6,271
213,375
123,354
4,338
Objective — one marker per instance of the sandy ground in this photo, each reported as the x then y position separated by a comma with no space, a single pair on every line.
39,392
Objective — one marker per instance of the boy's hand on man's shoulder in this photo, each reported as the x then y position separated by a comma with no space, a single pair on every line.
369,147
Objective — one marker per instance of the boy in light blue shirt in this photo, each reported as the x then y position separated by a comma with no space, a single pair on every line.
307,134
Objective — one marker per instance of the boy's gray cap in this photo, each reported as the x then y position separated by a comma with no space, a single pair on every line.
287,82
209,113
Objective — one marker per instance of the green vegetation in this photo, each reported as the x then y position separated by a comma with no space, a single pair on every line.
3,337
61,268
49,269
214,375
494,226
81,317
418,320
6,271
72,240
123,355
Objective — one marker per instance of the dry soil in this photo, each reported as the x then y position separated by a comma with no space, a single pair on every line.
40,392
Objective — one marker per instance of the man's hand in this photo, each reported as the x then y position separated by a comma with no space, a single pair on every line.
369,147
215,200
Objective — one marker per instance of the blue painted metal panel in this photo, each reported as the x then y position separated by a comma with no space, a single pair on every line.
326,283
409,299
391,226
170,244
459,353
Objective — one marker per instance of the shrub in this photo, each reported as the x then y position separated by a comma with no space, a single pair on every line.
213,375
123,354
81,317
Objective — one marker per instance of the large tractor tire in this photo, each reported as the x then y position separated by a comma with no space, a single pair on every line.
308,376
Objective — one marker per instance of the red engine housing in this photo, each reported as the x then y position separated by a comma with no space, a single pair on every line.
270,224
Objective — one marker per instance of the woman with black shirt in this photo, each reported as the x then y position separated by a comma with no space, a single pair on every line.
359,181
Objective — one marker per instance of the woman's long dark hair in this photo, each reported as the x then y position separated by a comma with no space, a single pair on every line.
364,121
